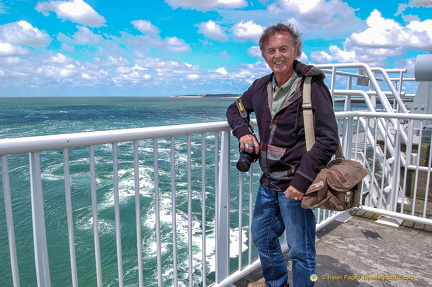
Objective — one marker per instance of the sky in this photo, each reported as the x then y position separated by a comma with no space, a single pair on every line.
184,47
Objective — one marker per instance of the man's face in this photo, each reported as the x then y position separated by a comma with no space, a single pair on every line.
279,53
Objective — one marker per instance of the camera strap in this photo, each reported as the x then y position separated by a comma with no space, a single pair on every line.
241,109
244,114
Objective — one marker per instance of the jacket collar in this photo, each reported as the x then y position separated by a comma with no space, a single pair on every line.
307,70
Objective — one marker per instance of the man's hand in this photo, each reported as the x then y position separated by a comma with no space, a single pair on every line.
249,144
293,193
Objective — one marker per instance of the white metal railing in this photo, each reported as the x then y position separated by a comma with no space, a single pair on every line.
366,77
193,150
136,141
388,188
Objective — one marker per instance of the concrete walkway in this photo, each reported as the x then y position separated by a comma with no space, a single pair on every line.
362,252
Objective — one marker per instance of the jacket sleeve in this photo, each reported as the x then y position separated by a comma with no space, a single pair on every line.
326,137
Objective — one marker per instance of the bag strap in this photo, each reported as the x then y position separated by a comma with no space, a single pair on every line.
307,113
308,118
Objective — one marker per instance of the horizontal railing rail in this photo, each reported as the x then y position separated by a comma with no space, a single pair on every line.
50,142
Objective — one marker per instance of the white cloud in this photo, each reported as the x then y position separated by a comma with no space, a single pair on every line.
336,54
145,26
23,33
221,71
302,6
322,18
123,70
248,31
303,58
57,58
421,33
85,36
410,18
93,78
387,33
66,73
193,76
177,45
76,11
383,39
138,68
111,61
205,5
251,72
255,51
140,46
413,3
134,75
9,50
421,3
356,54
212,30
167,69
156,62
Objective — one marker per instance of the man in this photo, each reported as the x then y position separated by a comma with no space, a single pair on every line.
288,170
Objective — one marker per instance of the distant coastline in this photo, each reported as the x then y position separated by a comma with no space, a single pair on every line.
208,96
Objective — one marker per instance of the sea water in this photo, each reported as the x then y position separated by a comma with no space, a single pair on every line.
41,116
26,117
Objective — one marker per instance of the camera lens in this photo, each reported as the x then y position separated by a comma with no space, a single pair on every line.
245,161
243,166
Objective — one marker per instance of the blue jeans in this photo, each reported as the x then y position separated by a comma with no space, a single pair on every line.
273,214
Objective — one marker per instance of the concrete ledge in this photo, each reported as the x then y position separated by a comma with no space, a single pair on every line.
362,252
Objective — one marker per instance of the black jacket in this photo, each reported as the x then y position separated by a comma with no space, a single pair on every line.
283,157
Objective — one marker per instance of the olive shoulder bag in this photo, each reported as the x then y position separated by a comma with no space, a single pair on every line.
338,186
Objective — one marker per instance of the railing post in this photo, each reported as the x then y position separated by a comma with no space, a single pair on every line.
9,221
39,231
222,210
395,172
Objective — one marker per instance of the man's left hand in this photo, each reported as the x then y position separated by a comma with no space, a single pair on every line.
293,193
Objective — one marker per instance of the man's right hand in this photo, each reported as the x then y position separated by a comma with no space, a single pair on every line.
249,144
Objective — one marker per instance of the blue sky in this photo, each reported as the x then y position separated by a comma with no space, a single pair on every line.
180,47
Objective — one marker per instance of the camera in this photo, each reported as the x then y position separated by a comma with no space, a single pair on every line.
245,160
